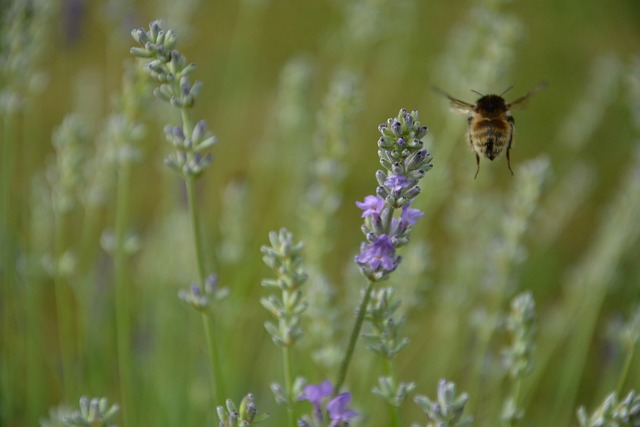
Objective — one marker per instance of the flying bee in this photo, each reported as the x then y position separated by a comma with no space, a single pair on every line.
491,125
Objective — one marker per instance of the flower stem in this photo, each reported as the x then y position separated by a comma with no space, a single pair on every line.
190,183
7,153
625,370
123,321
394,411
288,383
63,302
217,384
355,334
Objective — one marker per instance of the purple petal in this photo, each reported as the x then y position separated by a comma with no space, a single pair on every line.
338,410
371,205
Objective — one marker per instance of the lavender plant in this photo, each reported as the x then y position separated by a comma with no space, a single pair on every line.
65,180
613,413
121,141
518,356
285,259
405,161
169,68
386,341
247,414
447,409
95,412
319,212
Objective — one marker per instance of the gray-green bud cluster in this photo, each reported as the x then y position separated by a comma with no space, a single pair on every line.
170,69
93,412
189,158
447,410
613,413
285,258
385,338
246,415
393,394
522,328
402,154
200,298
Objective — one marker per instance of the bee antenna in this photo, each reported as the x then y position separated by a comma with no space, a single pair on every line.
475,91
507,90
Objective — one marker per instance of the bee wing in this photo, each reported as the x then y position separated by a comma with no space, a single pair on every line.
457,105
521,102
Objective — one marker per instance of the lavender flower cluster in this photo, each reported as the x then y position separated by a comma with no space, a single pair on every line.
406,161
336,408
169,68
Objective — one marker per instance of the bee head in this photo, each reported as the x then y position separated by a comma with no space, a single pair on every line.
491,104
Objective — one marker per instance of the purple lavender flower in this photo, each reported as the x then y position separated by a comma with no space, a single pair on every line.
371,205
410,215
408,218
397,182
380,253
338,411
315,394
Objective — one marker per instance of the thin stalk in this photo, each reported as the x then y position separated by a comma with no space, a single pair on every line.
7,158
35,374
190,183
217,384
394,411
63,309
625,369
123,321
355,334
288,383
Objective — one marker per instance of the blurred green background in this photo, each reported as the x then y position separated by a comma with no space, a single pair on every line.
271,70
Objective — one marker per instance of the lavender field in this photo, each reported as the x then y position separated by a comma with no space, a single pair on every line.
260,212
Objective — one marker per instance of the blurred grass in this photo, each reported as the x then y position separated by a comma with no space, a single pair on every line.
266,120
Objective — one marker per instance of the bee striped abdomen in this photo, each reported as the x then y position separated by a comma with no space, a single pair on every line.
490,136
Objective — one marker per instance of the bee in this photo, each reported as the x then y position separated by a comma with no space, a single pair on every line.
491,125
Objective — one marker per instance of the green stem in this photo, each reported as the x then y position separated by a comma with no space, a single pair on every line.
217,384
63,306
123,321
288,384
625,370
35,372
355,334
7,257
190,183
394,411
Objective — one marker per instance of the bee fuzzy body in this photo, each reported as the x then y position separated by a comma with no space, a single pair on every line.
491,125
488,138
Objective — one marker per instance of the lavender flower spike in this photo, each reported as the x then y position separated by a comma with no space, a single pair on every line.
405,161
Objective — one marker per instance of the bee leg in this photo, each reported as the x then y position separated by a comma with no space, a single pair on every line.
478,165
509,160
512,123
